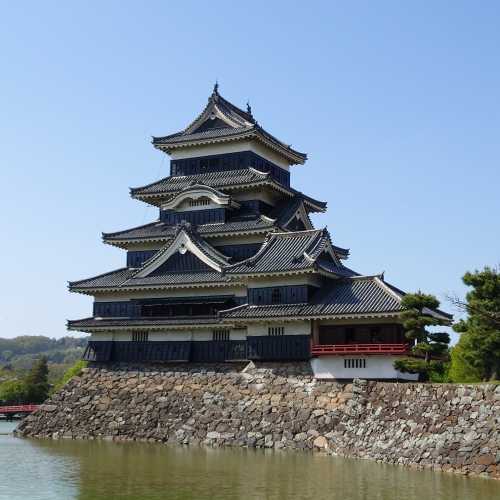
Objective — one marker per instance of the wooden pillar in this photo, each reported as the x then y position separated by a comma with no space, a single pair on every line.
315,331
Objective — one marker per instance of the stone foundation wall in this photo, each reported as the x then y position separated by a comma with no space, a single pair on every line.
445,427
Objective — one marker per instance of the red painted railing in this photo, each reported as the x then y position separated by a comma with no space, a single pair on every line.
319,349
18,409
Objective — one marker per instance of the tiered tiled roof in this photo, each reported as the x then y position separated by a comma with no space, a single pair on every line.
359,295
297,251
222,121
126,278
160,231
148,322
354,296
226,180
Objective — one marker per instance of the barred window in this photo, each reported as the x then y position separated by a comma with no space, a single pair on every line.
199,203
354,363
276,296
276,331
140,336
220,334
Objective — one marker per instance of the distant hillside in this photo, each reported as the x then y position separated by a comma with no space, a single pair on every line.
20,352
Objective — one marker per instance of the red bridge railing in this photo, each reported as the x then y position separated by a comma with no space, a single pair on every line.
5,410
319,349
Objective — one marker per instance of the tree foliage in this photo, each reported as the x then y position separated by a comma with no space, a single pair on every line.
22,351
73,371
37,382
13,392
460,369
478,352
417,317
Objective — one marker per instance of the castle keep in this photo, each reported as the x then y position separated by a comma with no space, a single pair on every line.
233,269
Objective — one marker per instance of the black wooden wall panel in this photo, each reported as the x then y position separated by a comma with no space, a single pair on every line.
239,252
182,262
292,294
135,258
207,216
264,348
229,161
286,347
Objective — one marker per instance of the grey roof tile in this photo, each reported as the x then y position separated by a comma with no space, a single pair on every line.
247,178
125,277
232,122
131,322
290,251
120,279
357,295
227,178
160,230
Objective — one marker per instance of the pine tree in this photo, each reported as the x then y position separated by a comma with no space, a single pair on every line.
37,383
416,319
480,332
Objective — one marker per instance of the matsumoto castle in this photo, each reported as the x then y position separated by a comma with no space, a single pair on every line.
233,268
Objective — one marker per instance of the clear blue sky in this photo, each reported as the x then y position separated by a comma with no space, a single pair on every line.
396,103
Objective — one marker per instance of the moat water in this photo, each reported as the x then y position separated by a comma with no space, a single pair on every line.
63,470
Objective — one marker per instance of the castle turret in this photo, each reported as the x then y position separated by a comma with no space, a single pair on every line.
233,269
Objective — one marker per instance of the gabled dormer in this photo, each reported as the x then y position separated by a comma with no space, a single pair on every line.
293,215
199,196
223,128
197,204
187,252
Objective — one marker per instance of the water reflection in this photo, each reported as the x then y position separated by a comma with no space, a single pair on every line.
87,470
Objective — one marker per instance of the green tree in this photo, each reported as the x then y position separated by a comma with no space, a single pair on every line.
460,369
480,332
73,371
37,382
417,317
13,392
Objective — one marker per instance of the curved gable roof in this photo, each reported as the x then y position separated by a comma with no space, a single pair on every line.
221,120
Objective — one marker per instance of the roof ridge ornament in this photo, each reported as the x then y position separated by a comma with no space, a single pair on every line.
215,92
184,226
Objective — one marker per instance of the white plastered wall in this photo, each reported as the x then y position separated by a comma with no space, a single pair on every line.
145,246
377,367
301,279
200,334
266,195
230,147
291,328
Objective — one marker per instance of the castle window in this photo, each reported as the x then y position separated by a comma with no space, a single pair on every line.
375,334
276,331
220,334
199,203
140,336
350,334
354,363
276,296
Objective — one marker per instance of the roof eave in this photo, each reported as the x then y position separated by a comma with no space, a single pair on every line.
294,157
284,317
119,288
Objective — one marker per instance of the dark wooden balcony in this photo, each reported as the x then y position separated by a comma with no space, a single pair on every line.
348,349
265,348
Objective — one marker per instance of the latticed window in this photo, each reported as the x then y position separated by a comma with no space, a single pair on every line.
140,336
276,296
354,363
220,334
276,331
199,203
